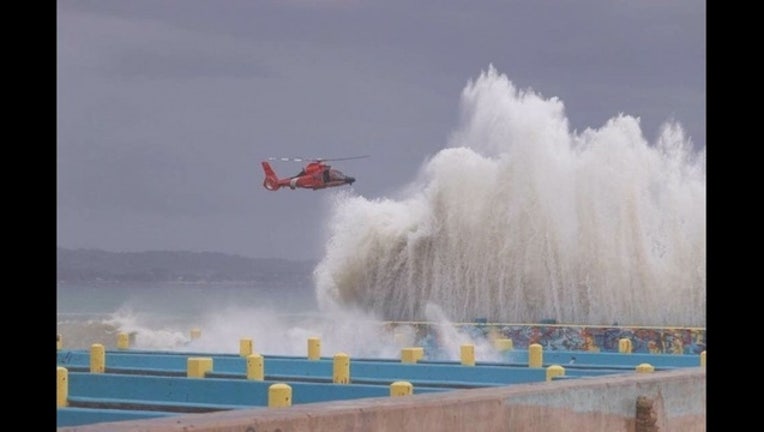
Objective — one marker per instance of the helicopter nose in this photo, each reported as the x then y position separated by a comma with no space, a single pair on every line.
351,180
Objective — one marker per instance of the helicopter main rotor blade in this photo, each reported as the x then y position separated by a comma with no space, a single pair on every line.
286,159
345,158
301,159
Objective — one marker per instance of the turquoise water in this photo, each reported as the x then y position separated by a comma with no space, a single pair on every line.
163,314
279,320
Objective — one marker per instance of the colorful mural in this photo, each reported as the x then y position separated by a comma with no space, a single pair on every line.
668,340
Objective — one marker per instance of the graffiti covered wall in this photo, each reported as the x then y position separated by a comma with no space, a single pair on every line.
654,340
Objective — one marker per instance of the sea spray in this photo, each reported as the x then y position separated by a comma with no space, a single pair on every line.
450,337
519,219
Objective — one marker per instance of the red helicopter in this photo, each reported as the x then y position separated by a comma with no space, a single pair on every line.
316,175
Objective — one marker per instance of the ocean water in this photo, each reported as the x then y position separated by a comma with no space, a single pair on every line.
161,315
518,219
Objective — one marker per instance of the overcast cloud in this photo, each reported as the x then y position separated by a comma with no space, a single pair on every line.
166,107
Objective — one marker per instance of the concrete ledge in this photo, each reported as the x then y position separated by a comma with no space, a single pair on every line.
603,404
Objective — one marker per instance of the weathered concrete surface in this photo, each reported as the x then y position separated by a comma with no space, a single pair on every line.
605,404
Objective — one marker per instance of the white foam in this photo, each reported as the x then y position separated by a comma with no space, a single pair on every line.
519,219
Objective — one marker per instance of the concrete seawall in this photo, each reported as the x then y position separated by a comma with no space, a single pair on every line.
669,401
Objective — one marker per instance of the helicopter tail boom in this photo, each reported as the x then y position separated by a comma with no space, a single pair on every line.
271,181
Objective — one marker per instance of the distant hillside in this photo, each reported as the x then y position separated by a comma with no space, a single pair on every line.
160,266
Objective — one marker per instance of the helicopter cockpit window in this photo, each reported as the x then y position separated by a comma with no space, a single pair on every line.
336,175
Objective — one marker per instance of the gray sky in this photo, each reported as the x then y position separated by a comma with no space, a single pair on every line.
166,107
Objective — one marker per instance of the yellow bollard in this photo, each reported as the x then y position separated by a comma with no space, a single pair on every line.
502,344
63,387
645,368
197,367
255,367
535,355
624,345
123,341
401,388
418,353
246,347
703,359
314,348
279,395
341,368
408,355
97,358
196,333
554,371
59,342
467,352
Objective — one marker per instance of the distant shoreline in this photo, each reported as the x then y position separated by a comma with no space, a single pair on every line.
94,265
